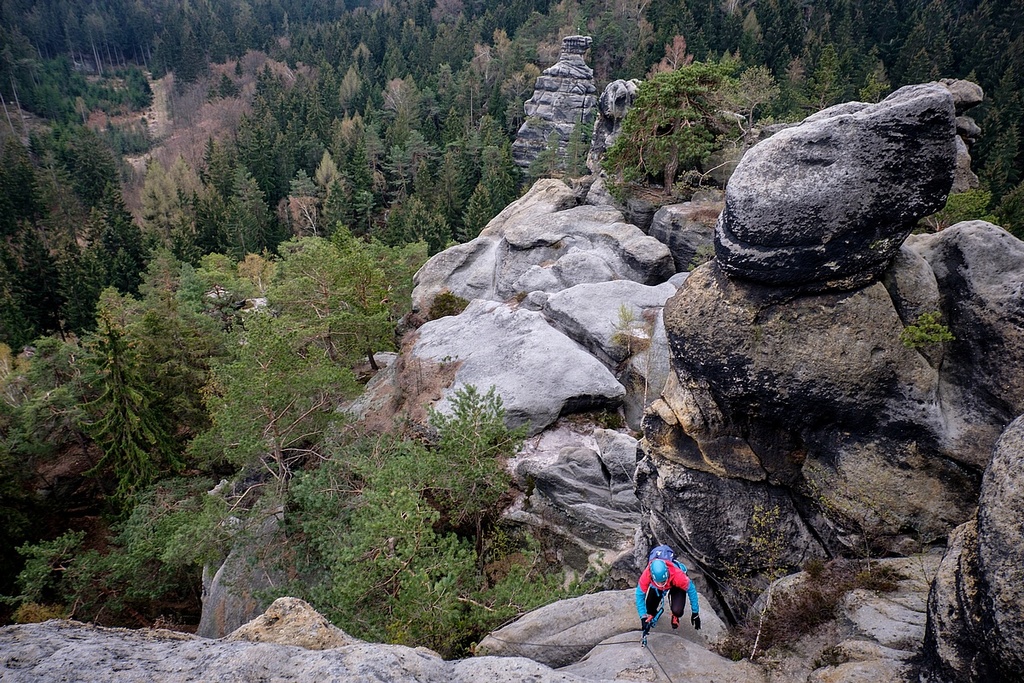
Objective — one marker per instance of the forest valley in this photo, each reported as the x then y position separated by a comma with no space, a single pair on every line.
171,172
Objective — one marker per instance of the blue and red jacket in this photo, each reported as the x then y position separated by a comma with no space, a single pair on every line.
677,578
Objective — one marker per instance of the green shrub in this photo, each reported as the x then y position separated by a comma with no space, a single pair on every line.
34,613
925,331
447,303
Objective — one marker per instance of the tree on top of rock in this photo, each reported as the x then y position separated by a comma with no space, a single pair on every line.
673,124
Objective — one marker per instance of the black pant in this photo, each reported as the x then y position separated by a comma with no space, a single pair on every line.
676,600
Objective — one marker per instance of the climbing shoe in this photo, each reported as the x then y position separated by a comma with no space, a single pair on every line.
675,621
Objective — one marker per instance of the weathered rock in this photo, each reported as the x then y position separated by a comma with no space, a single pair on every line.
79,653
813,405
615,101
612,319
827,204
290,621
544,242
231,595
979,271
538,371
976,606
579,485
666,657
688,229
560,634
563,98
965,93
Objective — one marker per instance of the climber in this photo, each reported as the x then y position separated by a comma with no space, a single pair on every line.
658,580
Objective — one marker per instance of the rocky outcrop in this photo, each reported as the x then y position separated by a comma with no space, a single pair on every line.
793,390
290,621
976,606
579,488
688,229
615,101
544,242
539,373
563,99
561,633
232,592
827,204
965,96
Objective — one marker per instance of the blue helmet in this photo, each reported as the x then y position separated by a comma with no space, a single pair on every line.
659,572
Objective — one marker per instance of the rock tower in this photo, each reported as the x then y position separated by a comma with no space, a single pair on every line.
563,98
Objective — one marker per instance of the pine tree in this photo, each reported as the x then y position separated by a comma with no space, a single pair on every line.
124,422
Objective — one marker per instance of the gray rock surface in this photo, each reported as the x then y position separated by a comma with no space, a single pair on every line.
579,488
827,204
615,101
563,98
231,592
561,633
538,371
73,652
687,229
544,242
976,606
812,403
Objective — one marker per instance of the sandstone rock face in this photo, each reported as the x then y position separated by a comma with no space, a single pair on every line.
79,653
290,621
231,591
688,229
539,373
579,488
976,607
563,98
561,633
544,242
827,204
612,106
812,405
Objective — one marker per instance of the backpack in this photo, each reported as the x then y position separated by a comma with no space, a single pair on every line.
664,552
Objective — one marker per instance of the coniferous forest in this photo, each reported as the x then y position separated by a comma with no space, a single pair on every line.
170,169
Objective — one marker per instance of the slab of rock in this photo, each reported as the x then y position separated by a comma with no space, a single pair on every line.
561,633
539,373
544,242
666,657
827,204
73,652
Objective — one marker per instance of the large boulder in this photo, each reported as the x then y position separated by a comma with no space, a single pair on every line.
579,489
544,242
976,607
688,230
827,204
539,373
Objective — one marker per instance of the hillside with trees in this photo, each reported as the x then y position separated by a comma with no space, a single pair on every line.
169,170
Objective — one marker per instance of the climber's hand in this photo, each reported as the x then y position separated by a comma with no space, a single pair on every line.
695,620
